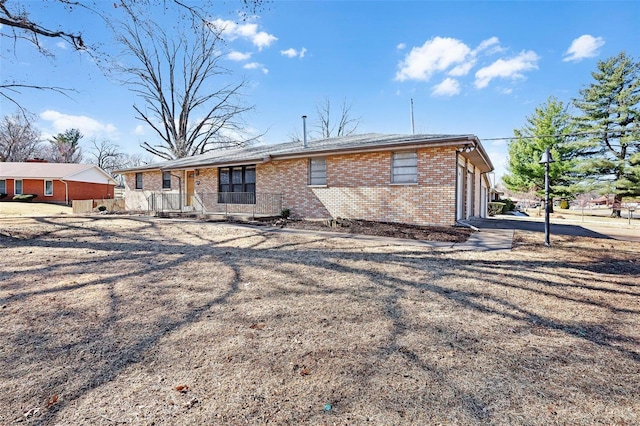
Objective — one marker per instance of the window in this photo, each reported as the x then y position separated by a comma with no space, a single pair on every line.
3,186
48,188
237,185
166,180
17,187
138,180
404,167
318,171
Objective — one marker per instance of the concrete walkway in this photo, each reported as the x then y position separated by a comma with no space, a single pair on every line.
488,240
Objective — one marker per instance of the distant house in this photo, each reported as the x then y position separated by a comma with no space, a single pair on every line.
55,182
419,179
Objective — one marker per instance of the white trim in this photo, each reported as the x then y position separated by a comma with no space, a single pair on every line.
45,188
21,187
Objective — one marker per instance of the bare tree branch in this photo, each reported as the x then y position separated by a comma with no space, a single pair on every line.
346,124
19,140
188,101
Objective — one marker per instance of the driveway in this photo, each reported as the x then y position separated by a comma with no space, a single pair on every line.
618,231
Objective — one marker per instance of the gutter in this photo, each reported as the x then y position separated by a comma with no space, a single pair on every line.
324,152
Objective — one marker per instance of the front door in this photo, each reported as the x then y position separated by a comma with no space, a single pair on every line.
190,187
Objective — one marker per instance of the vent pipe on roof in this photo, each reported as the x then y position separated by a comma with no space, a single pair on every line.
304,131
413,127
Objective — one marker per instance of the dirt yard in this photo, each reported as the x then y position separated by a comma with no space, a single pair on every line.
119,320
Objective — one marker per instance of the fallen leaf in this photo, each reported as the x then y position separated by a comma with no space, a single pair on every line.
182,388
305,372
52,400
258,326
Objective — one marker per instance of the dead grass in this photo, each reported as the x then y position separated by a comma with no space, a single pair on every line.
9,208
122,320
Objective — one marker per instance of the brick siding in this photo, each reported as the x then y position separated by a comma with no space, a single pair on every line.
358,187
77,190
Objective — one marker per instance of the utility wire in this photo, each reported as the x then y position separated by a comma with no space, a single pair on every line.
552,136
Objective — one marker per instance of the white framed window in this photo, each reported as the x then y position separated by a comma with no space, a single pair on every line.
138,180
17,187
404,167
3,186
318,171
48,188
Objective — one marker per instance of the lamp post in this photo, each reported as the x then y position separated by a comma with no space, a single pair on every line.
546,160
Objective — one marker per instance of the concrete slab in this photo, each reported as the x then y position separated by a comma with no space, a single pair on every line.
488,240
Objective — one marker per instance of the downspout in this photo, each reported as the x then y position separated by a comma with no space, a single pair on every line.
455,198
66,192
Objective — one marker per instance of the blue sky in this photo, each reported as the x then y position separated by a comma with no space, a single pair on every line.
470,67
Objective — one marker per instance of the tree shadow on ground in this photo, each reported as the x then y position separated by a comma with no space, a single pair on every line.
155,289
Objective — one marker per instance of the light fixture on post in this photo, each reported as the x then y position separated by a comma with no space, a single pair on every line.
546,160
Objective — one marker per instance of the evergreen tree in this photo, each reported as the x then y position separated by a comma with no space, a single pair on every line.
611,122
65,147
550,126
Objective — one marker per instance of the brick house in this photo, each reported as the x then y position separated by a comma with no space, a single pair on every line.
55,182
419,179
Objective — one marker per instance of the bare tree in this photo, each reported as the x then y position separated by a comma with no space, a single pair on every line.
106,155
328,126
188,101
17,24
19,139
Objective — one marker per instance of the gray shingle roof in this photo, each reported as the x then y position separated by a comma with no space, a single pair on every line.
257,153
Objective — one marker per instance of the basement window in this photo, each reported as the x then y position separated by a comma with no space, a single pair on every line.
48,188
317,171
404,167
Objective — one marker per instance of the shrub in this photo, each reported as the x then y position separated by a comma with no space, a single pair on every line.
101,208
24,197
285,213
564,204
2,195
508,205
495,208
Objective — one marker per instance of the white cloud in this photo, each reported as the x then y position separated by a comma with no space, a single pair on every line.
293,53
239,56
433,56
401,46
486,44
139,130
88,126
585,46
448,87
256,66
61,45
510,68
442,54
462,69
249,31
263,39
